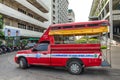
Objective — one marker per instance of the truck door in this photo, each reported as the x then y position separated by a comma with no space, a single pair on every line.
43,53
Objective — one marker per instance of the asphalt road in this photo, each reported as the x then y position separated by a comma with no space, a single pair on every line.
10,71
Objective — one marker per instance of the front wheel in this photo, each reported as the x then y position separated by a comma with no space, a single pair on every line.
23,63
75,67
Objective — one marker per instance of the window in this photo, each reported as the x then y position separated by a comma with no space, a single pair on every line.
54,1
69,11
41,30
21,10
79,26
53,18
53,12
7,23
65,27
53,22
55,28
29,14
30,28
36,29
92,25
21,25
53,6
42,47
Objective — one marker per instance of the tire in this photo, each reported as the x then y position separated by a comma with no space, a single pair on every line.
23,63
75,67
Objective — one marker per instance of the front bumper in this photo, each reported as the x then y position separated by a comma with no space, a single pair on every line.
16,60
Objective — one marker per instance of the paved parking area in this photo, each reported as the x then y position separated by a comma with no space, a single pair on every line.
10,71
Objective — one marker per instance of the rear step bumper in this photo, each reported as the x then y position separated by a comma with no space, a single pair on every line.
105,64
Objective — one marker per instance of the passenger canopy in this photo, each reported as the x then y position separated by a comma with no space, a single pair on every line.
80,28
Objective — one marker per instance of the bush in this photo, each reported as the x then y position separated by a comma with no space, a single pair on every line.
9,44
18,44
93,40
89,40
103,47
81,41
24,41
0,42
1,33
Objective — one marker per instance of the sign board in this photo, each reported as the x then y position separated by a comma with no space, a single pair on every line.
11,32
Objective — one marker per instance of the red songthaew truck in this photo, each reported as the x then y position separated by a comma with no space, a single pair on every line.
58,47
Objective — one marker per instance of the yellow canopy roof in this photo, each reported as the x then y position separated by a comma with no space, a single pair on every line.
80,31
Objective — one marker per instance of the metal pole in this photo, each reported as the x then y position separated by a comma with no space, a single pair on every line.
111,27
111,19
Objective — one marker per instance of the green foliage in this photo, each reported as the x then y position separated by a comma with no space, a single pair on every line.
103,47
0,42
1,33
18,44
81,41
87,40
1,22
9,44
24,41
92,40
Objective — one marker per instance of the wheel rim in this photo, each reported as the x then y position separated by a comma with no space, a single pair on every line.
21,63
74,68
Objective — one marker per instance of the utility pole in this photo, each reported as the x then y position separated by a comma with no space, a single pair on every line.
111,19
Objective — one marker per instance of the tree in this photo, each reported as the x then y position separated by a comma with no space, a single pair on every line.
1,27
1,22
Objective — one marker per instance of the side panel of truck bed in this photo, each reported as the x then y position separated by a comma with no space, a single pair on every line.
88,53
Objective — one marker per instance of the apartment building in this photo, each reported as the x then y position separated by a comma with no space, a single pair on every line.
27,16
100,9
59,12
71,16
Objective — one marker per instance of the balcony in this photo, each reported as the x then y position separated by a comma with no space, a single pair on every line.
39,4
116,17
43,16
93,7
18,15
116,12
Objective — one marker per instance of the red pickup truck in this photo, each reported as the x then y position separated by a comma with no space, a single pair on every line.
52,50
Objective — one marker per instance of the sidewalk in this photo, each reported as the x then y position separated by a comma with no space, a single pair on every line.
115,57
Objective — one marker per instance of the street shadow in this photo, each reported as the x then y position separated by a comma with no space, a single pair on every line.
96,70
62,70
45,68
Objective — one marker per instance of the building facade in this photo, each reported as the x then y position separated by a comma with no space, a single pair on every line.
59,12
100,9
71,16
27,16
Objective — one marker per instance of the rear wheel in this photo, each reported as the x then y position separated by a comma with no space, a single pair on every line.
23,63
75,67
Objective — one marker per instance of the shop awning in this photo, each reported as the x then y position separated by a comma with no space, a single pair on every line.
33,39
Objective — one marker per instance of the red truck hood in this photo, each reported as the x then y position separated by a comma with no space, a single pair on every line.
24,51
